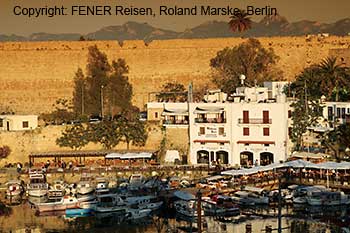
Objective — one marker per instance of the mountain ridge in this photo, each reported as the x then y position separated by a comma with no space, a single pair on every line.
268,26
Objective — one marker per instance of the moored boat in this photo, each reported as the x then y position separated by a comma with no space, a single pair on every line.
37,186
14,188
66,202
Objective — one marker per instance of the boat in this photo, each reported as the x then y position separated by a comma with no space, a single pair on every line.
14,188
57,190
300,193
134,214
67,202
219,205
110,203
101,186
327,198
37,186
186,205
144,202
242,198
85,186
136,181
79,212
258,195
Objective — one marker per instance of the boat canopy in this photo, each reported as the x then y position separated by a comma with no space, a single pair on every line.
184,195
142,155
291,164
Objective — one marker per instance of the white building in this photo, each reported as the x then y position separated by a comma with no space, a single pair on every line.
18,122
251,129
337,112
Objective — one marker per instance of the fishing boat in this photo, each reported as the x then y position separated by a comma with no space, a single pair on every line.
144,202
14,188
101,186
110,203
67,202
37,186
219,205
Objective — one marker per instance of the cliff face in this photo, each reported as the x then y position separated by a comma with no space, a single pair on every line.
34,74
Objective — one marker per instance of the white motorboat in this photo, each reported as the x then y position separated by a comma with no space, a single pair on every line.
14,188
66,202
187,204
327,198
85,185
220,206
37,186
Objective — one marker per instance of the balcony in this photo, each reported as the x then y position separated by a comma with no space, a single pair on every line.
254,121
210,120
175,122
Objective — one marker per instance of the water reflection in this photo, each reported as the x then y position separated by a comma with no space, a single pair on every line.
22,218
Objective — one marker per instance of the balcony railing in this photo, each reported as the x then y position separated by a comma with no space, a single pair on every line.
210,120
175,122
255,121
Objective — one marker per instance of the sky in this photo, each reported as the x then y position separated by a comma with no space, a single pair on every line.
325,11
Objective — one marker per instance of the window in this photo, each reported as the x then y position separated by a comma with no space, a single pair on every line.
202,143
343,113
221,130
289,113
1,123
201,130
338,112
265,117
222,143
156,115
266,132
266,145
245,131
25,124
246,117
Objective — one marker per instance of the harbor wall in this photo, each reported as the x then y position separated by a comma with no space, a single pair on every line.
33,75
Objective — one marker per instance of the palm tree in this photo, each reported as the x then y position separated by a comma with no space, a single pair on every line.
333,76
240,21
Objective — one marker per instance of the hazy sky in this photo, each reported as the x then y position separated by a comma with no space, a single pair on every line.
294,10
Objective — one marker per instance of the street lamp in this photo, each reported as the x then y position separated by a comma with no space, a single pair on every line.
102,101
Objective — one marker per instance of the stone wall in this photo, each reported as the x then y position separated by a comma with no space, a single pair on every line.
34,74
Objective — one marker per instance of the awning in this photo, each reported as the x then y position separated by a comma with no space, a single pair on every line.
175,112
142,155
208,110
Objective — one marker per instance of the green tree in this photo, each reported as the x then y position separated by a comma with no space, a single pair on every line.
131,129
79,92
119,89
240,22
62,114
172,92
97,70
249,58
305,114
308,76
338,140
333,76
105,132
75,137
